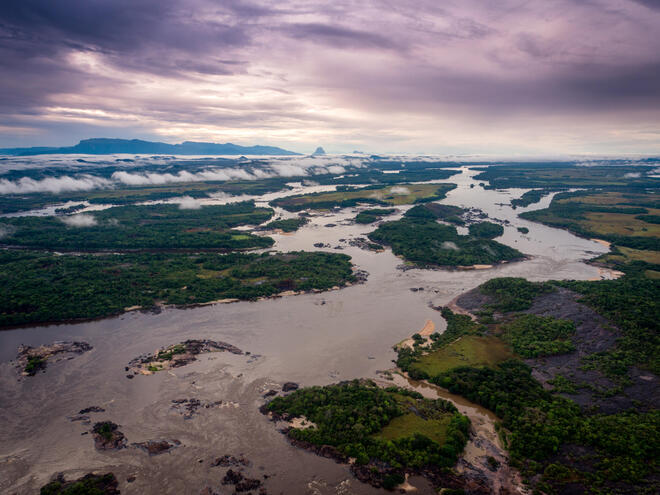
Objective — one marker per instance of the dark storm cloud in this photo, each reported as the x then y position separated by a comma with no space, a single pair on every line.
651,4
118,25
159,36
338,37
197,68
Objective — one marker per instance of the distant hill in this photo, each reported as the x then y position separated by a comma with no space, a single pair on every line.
104,146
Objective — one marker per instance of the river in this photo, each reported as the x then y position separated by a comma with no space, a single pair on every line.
313,339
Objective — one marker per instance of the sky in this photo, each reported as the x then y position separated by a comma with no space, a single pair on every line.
514,77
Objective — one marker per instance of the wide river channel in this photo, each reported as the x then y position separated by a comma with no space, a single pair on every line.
312,339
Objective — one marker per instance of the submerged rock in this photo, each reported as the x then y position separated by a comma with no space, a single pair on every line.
190,407
156,447
230,460
91,409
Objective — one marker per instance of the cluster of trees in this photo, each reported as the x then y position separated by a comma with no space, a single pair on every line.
621,450
373,214
630,302
374,176
533,336
349,197
513,293
163,226
303,202
486,230
349,415
287,225
42,287
565,175
435,211
426,242
530,197
549,437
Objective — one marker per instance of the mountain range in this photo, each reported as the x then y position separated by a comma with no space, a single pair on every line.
105,146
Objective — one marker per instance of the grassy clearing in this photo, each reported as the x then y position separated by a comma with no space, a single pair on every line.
614,198
471,350
621,224
409,424
628,255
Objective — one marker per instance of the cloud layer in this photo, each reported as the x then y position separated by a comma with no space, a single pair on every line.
277,167
423,76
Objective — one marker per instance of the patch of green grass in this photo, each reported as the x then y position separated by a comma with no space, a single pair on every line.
105,429
469,350
411,423
34,364
169,354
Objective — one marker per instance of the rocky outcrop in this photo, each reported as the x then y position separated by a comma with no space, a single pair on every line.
31,360
240,482
188,408
289,387
176,355
107,436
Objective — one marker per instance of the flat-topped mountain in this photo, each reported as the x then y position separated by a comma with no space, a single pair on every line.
103,146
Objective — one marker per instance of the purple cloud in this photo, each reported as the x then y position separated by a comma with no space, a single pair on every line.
417,76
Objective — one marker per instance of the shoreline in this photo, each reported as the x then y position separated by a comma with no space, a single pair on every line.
157,307
410,265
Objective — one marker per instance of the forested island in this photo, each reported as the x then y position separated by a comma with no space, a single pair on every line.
530,197
424,242
287,225
388,432
43,287
376,195
163,226
372,215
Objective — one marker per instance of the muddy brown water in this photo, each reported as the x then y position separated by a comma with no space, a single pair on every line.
313,339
